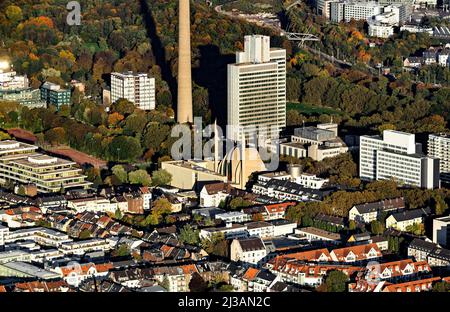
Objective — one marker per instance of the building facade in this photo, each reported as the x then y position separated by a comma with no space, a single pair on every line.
257,89
21,164
439,147
53,94
136,88
397,156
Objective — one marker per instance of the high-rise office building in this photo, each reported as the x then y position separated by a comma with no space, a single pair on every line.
136,88
396,155
257,89
439,147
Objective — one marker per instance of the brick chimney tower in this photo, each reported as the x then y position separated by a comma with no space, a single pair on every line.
184,108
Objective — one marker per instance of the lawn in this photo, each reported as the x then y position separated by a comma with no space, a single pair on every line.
307,109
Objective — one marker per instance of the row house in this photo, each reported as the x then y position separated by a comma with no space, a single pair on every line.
75,273
84,246
177,278
412,286
369,212
40,235
316,255
300,273
396,271
42,286
423,250
402,220
356,254
20,217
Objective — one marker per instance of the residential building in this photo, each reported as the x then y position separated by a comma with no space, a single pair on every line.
257,89
213,194
397,156
439,257
316,235
373,211
439,147
249,251
233,217
230,231
401,221
26,270
21,164
420,249
287,190
4,234
357,253
380,30
137,88
413,286
53,94
441,231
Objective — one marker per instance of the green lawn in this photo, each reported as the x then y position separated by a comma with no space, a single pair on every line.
307,109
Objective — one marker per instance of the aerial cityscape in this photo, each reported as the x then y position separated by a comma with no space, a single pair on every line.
224,146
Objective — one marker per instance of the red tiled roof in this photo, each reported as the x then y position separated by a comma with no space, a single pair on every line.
250,274
360,252
413,286
274,208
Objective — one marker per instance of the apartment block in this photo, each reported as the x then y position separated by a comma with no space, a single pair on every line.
396,155
137,88
439,147
21,164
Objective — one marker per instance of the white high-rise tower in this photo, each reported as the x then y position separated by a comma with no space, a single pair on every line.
257,89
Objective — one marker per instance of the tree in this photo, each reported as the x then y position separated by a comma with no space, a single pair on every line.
441,287
13,13
239,202
118,214
124,148
120,172
161,177
56,136
376,227
121,251
140,177
351,225
439,205
197,283
336,281
123,106
189,235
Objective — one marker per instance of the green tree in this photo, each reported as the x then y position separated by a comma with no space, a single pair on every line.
189,235
336,281
140,177
161,177
123,107
120,172
118,214
376,227
441,287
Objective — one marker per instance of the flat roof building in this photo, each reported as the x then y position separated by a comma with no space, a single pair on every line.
397,156
21,164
